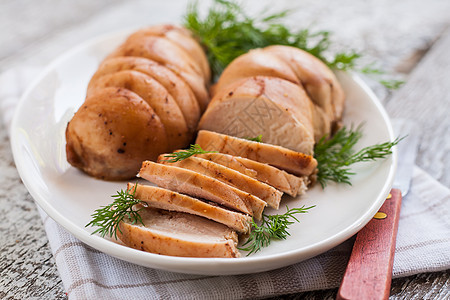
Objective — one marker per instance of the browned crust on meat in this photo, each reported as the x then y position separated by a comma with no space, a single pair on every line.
112,132
198,185
279,179
169,200
173,57
183,38
293,162
159,242
231,177
177,88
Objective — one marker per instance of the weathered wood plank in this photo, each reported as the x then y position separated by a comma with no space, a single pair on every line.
425,98
422,286
23,25
27,267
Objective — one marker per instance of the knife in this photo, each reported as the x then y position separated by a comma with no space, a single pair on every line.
369,271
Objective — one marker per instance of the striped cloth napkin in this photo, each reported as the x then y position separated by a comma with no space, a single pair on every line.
423,245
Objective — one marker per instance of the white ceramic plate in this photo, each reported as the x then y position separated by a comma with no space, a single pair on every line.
69,196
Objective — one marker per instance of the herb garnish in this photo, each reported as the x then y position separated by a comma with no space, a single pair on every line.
108,217
379,75
255,139
228,32
335,155
271,227
183,154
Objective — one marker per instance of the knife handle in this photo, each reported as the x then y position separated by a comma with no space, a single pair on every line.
369,270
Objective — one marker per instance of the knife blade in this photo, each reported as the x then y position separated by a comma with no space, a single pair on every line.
369,271
407,152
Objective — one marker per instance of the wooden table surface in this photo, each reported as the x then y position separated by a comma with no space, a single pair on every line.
409,38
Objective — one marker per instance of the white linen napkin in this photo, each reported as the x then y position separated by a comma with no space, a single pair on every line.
423,245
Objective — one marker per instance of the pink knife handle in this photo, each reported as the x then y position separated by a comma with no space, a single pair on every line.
369,270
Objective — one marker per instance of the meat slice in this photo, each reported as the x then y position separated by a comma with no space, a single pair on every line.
322,123
279,179
177,88
198,185
178,234
183,38
169,54
164,199
156,96
108,144
293,162
229,176
319,81
256,62
275,108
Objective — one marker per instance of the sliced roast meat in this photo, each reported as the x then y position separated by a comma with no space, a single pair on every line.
228,161
202,186
178,234
279,179
317,79
229,176
277,109
322,123
183,38
177,88
291,161
169,54
256,62
164,199
156,96
106,143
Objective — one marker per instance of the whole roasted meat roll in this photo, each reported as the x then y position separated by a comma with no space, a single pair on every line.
145,99
298,67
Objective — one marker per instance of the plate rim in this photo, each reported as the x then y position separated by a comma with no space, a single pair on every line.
162,261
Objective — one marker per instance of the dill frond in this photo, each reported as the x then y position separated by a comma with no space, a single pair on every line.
108,217
335,155
272,227
183,154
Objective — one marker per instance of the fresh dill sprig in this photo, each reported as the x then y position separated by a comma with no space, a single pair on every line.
227,32
392,84
380,76
183,154
335,155
108,217
271,227
255,139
